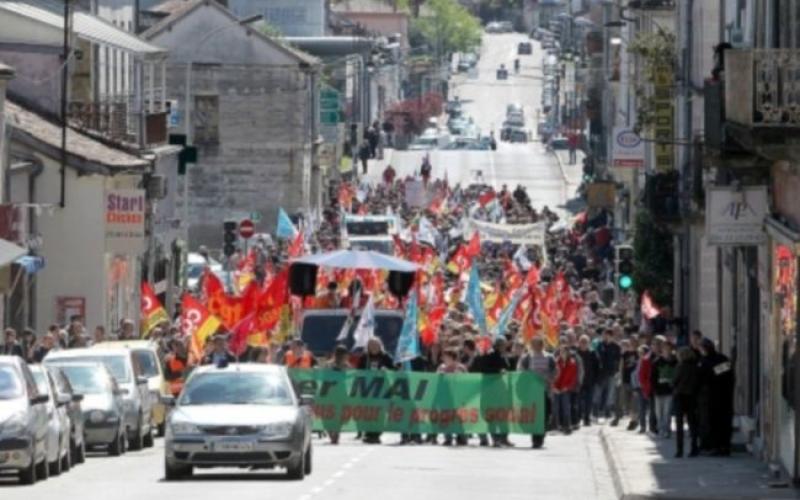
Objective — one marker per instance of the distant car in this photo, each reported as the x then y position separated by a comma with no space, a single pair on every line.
524,48
125,368
430,139
517,134
239,415
196,264
64,391
559,142
147,356
381,244
102,406
23,422
502,73
59,458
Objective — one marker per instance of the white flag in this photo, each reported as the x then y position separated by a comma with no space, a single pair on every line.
365,329
345,331
521,258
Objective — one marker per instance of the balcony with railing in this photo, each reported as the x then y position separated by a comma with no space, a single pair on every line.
762,88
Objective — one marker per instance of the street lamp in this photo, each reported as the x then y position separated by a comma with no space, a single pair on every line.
186,121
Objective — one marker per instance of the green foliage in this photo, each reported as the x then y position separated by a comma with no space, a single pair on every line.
653,259
449,27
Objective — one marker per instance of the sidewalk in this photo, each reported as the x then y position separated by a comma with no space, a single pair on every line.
572,176
645,467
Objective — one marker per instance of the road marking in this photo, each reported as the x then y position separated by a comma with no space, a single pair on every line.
336,475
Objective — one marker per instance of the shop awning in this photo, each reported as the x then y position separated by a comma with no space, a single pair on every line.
31,263
9,252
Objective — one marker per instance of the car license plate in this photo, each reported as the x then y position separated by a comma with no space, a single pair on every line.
234,446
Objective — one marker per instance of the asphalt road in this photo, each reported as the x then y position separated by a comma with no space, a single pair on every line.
568,467
485,99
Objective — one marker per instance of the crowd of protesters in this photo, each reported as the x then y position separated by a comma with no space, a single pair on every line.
605,365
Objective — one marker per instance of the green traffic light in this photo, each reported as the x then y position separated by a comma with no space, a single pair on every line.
625,282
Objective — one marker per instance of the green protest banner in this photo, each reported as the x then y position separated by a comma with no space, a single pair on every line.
412,402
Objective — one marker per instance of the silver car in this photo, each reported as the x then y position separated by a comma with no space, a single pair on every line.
65,391
136,396
58,426
240,415
102,406
23,422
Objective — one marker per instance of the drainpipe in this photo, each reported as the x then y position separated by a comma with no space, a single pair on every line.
685,172
33,226
64,86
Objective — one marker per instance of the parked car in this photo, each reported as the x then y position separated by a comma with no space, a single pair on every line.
524,48
517,134
59,458
23,422
559,142
146,354
127,371
102,406
64,390
242,415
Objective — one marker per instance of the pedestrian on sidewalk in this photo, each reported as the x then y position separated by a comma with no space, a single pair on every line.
566,381
364,155
590,368
716,398
655,353
663,377
685,395
627,400
542,363
644,388
609,355
572,143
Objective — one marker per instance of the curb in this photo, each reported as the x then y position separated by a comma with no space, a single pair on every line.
616,474
561,168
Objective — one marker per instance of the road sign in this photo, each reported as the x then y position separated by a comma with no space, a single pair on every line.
329,106
246,228
255,216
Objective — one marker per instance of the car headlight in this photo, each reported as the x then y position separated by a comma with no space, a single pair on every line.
13,426
280,430
184,428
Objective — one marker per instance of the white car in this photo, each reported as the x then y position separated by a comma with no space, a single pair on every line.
58,424
195,265
238,415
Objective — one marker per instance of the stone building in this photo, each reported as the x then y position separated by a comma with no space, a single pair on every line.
252,115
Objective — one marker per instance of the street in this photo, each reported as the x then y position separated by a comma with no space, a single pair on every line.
569,467
485,99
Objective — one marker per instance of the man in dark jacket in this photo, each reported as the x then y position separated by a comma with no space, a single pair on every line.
374,358
494,362
715,398
12,347
591,366
609,355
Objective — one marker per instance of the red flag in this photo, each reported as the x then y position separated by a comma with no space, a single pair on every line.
241,331
649,308
533,277
486,197
474,247
268,307
297,247
152,312
212,284
399,246
197,323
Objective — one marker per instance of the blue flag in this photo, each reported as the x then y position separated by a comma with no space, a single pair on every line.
505,316
475,299
285,227
408,342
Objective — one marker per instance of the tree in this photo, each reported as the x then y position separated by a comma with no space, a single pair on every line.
448,27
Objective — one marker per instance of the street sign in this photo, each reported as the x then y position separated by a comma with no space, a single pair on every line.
255,217
329,106
247,229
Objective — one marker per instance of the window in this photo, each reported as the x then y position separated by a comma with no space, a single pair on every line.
206,119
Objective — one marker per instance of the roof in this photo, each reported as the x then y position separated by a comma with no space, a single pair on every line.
179,9
85,26
85,352
84,153
125,344
365,7
241,367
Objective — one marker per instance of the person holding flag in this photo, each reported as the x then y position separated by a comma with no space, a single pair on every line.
197,324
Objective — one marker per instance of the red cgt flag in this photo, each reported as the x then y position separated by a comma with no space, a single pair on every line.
152,312
197,323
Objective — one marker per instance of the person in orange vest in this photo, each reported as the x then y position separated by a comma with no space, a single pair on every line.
298,356
175,364
331,298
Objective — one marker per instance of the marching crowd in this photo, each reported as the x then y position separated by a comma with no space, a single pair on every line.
602,362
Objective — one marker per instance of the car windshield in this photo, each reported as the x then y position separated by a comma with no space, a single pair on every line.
86,379
147,362
115,364
41,381
236,388
10,383
195,270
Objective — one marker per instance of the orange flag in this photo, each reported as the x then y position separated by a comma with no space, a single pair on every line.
152,312
197,323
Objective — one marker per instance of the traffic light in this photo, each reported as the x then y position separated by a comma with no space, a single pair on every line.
624,267
229,227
